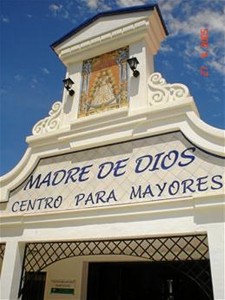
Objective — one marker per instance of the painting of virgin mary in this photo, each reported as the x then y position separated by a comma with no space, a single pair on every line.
104,82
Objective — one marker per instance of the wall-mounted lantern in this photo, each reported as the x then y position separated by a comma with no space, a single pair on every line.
68,82
133,62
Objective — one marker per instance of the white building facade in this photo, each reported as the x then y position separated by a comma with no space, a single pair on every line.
120,194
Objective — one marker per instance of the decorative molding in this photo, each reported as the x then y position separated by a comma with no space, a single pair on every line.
106,37
161,92
50,123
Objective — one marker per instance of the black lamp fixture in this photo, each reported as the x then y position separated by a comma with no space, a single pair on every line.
68,82
133,62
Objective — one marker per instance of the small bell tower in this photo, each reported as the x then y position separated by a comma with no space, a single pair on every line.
109,59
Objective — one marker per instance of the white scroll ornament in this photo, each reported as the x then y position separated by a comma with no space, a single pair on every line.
160,92
50,123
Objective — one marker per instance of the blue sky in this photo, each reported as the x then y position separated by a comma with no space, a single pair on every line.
31,74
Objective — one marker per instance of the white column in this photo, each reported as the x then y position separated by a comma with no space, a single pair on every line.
217,259
138,92
11,270
83,281
71,103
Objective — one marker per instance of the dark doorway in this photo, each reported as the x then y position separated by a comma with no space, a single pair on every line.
143,281
34,286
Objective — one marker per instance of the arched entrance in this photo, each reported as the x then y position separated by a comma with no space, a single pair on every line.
183,256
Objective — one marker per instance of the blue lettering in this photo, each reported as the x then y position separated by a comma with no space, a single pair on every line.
135,192
148,191
174,187
187,184
37,204
200,182
30,205
56,174
71,173
107,167
31,183
161,188
217,180
172,157
79,198
22,205
111,196
157,156
46,180
146,159
48,202
99,196
58,202
85,170
39,201
164,161
190,158
119,165
13,206
89,199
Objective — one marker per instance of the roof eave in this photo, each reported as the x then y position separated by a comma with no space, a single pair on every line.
106,14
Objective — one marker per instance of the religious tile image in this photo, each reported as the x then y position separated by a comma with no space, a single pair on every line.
104,82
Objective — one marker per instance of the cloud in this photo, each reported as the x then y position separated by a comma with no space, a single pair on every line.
99,5
167,6
55,8
59,10
92,3
214,55
214,21
217,66
18,77
216,98
192,69
127,3
166,48
183,18
45,71
191,49
4,19
34,82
